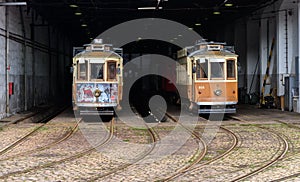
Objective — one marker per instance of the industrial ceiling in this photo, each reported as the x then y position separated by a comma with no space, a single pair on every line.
85,19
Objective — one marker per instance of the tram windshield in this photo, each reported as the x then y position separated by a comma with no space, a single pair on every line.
97,70
217,68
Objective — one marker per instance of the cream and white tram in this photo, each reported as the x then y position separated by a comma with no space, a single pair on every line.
210,85
97,79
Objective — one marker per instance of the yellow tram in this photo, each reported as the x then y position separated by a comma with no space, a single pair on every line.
97,79
210,85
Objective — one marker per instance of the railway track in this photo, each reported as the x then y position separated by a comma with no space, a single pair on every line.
290,177
72,157
196,157
66,136
269,163
153,139
290,131
34,113
7,124
41,119
192,167
275,158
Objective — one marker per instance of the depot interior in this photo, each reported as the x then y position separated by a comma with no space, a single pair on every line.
37,39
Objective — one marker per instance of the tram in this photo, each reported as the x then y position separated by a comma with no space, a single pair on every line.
97,79
210,85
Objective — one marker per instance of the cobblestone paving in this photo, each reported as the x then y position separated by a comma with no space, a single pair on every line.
12,133
289,165
153,168
256,147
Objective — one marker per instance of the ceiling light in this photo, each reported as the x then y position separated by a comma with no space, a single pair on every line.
84,25
13,3
175,38
198,24
179,35
190,28
73,6
149,8
78,13
217,12
228,4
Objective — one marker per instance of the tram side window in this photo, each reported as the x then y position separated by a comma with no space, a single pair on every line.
111,70
97,71
82,71
217,70
230,69
202,69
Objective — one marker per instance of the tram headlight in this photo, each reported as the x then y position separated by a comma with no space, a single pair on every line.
97,93
218,92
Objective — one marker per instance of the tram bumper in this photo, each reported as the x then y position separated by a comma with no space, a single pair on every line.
96,109
215,109
95,113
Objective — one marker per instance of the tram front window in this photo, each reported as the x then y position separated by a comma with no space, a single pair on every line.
97,71
230,69
82,69
217,70
111,70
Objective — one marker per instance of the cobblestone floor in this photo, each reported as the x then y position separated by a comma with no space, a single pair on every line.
257,145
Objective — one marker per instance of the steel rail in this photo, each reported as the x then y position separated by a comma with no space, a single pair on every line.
270,163
154,138
199,155
75,156
68,134
44,121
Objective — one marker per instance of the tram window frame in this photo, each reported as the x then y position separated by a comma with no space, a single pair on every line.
109,78
219,73
202,69
232,75
96,76
80,73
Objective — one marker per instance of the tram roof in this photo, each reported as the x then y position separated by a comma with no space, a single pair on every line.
212,53
98,54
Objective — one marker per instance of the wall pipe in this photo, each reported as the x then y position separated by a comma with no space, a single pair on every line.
50,63
286,43
30,43
33,58
6,59
24,57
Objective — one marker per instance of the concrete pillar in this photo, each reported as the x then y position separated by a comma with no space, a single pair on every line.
282,48
287,35
253,58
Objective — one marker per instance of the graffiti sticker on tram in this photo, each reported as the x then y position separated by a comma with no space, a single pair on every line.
86,92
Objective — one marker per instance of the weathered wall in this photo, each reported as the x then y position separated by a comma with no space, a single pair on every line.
37,57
